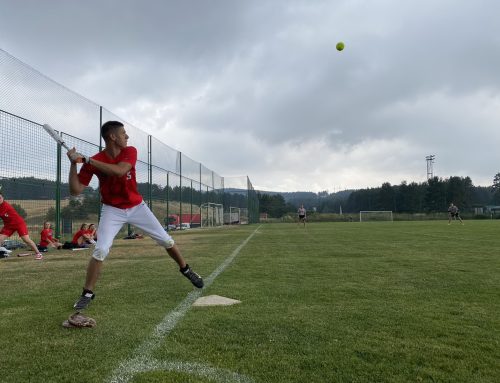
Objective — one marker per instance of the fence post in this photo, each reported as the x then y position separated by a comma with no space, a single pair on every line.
100,124
249,211
168,198
191,213
201,199
58,193
207,205
223,196
100,149
150,173
180,190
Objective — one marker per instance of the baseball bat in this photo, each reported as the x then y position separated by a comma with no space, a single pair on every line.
57,138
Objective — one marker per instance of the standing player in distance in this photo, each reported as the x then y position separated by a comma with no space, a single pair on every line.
453,213
47,238
114,166
302,214
13,222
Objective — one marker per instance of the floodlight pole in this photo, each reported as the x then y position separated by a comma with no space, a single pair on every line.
430,161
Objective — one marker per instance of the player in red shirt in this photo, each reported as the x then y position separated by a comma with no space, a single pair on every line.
82,238
13,222
115,168
92,232
47,238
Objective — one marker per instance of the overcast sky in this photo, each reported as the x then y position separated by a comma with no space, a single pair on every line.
257,87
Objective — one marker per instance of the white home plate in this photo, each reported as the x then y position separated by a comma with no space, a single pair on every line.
215,300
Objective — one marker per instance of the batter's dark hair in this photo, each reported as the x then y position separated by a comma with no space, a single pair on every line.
109,127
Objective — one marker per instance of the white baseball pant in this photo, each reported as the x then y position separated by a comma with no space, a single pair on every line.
112,220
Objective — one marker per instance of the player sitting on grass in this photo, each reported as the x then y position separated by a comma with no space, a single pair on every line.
82,237
12,223
47,239
92,232
121,204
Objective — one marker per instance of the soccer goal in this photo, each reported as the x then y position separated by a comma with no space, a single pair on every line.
212,214
244,216
375,215
233,217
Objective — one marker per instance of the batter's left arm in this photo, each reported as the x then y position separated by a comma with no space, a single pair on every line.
117,170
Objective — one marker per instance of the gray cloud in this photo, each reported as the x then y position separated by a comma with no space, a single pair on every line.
262,83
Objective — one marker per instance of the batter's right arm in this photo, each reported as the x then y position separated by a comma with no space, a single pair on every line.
75,186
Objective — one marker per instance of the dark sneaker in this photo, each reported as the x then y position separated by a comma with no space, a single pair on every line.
193,277
84,300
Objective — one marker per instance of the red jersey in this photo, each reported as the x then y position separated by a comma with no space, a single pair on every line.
9,215
45,237
12,221
120,192
77,235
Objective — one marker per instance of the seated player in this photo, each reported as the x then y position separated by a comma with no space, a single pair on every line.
47,239
92,231
82,238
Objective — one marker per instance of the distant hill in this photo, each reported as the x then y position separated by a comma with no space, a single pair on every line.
309,199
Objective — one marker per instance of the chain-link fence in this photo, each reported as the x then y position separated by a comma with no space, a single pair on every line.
34,170
240,194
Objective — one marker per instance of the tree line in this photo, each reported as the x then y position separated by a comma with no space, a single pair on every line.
434,195
31,188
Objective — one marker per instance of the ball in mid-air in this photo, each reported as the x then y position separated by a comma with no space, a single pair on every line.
340,46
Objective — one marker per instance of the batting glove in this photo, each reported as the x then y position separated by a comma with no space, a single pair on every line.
79,158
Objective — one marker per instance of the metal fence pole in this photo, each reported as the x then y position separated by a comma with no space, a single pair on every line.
201,198
180,189
168,198
224,203
150,172
58,193
100,149
249,208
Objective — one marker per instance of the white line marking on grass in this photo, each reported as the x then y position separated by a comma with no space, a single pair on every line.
142,360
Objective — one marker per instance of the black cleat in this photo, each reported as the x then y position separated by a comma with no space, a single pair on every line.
84,300
193,277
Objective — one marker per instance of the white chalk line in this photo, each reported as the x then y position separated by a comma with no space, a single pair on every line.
141,359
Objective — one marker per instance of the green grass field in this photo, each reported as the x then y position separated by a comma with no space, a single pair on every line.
332,302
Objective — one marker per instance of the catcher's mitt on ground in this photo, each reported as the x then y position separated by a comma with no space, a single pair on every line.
78,320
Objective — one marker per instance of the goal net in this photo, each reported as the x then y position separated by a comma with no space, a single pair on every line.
212,214
375,215
233,217
244,216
